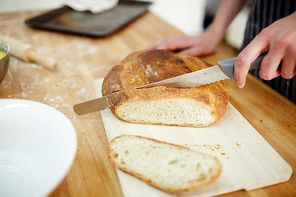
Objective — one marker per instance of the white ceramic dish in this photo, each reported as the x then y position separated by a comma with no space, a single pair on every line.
37,148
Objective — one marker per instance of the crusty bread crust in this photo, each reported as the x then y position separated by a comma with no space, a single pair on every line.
213,176
144,67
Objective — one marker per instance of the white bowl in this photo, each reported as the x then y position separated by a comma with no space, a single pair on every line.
37,148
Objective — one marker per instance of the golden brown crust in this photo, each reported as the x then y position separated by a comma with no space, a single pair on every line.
112,82
144,67
132,56
171,190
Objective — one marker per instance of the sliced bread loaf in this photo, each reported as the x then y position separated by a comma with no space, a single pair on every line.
166,166
199,106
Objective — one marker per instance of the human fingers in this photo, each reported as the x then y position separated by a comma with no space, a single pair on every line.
241,69
160,44
277,48
192,51
247,56
269,67
282,49
288,68
198,50
171,43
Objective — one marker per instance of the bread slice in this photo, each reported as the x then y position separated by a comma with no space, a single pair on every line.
198,107
169,167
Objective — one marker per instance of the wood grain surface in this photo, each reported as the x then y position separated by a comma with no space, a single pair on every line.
83,59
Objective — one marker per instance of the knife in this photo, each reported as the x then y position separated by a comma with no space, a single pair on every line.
224,70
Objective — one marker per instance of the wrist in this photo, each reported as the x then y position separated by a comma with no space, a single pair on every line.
215,32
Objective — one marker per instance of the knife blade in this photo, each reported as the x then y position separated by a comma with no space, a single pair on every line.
224,70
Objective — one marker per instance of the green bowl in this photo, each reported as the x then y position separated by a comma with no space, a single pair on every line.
4,61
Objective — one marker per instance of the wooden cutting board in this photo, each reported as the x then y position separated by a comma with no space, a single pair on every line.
248,161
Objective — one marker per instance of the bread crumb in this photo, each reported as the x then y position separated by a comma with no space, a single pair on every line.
239,144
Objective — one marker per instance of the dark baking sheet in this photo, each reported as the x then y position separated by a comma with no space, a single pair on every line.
67,20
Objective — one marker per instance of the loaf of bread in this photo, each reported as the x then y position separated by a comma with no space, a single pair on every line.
199,106
168,167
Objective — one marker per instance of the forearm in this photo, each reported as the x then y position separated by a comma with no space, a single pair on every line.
207,42
227,11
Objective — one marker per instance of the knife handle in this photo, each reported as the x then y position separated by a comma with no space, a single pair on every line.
227,66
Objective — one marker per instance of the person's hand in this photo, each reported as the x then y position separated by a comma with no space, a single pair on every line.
279,40
203,44
207,42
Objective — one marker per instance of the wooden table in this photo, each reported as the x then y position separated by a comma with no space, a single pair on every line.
83,59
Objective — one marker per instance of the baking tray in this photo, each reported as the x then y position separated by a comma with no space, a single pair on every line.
86,23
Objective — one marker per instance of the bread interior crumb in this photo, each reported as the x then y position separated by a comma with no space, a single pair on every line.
171,112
